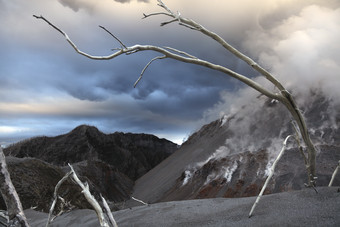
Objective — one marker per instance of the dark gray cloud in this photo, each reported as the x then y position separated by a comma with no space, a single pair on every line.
47,88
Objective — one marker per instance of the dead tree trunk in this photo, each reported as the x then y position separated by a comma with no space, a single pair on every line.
9,194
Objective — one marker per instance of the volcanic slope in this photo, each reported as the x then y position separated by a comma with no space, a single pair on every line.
108,163
132,154
231,157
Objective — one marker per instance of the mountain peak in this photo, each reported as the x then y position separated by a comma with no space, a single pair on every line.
82,129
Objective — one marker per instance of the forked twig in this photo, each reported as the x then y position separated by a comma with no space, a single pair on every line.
89,197
55,195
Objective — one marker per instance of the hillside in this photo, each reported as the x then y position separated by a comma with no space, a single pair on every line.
108,162
231,157
132,154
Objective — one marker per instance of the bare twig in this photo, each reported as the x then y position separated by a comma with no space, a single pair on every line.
138,200
115,37
334,174
55,27
168,22
147,65
89,197
55,195
155,14
272,169
196,61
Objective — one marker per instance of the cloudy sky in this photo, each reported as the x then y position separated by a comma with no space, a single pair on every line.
48,89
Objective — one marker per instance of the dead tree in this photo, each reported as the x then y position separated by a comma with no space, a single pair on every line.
15,212
281,93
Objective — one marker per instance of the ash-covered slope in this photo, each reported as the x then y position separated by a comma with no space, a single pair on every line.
231,157
131,154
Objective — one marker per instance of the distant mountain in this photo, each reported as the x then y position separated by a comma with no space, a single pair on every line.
231,157
131,154
35,181
110,163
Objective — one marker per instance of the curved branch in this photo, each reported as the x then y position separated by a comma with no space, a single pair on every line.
168,54
196,26
55,195
284,96
121,43
334,174
147,65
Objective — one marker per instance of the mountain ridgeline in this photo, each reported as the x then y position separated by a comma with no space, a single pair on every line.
109,163
131,154
229,157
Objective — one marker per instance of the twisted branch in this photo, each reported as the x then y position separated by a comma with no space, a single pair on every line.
89,197
168,54
283,95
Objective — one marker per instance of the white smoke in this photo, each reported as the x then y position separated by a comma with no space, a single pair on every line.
229,171
303,51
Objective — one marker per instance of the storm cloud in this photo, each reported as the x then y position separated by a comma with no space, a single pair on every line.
46,88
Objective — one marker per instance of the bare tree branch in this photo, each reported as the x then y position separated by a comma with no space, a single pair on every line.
108,212
283,96
272,169
196,61
334,174
168,22
89,197
121,43
147,65
155,14
55,195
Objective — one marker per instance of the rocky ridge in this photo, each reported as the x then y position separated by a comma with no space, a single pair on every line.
108,162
